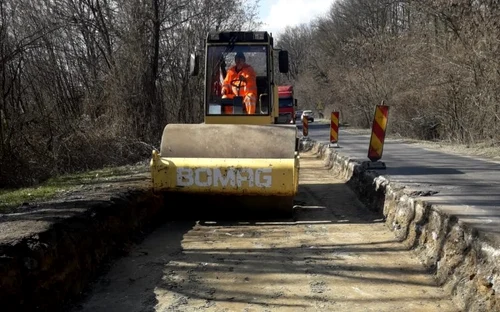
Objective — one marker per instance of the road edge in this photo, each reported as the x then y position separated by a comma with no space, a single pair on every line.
462,261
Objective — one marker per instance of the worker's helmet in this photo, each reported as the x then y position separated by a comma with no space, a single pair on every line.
239,55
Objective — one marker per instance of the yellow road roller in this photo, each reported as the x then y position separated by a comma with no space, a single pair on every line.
239,159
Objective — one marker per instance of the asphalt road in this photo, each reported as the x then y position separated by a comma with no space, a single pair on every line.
466,187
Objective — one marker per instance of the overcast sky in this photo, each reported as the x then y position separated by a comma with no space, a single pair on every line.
276,14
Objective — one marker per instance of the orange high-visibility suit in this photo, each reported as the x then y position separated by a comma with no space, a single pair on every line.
243,81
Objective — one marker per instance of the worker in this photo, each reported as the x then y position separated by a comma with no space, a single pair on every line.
241,81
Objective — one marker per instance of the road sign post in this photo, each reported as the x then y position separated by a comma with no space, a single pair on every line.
334,129
376,147
305,127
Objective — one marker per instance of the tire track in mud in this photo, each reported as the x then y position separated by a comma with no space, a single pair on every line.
334,255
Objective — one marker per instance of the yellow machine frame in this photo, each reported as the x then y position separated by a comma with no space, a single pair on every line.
191,161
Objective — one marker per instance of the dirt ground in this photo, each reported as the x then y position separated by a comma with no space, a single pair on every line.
334,255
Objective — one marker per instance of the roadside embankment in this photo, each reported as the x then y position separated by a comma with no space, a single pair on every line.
464,262
50,254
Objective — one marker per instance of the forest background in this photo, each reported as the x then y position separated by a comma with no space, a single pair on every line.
91,83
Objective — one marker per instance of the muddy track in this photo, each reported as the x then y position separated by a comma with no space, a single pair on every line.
334,255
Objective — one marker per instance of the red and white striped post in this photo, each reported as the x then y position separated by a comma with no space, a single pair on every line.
334,129
377,139
305,127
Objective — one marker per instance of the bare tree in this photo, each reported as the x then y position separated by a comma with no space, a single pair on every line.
87,83
433,61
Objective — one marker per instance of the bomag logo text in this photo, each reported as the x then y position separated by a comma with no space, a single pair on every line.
206,177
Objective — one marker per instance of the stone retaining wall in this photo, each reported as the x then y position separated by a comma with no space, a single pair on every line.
465,263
